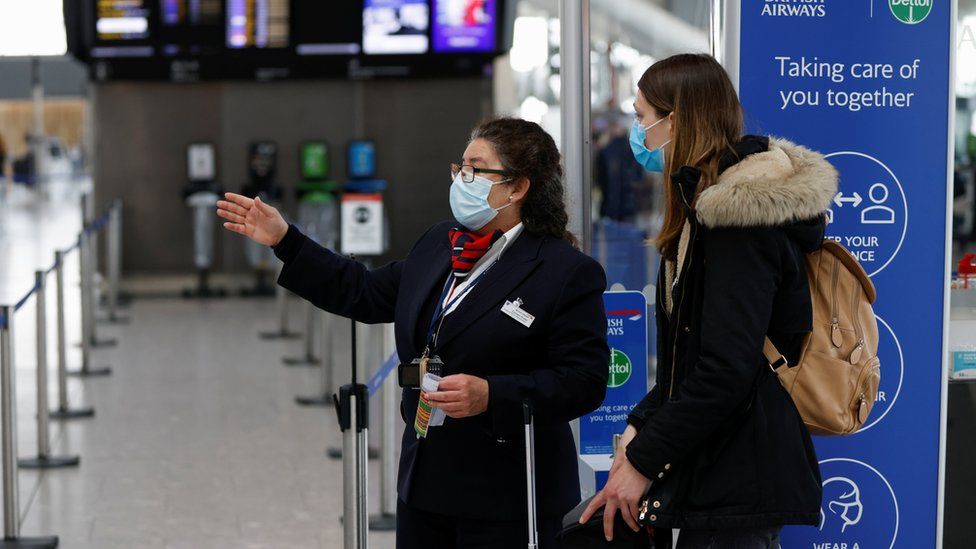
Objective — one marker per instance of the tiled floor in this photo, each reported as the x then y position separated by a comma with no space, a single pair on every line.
197,442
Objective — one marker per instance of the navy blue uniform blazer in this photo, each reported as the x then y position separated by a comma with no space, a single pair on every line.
475,467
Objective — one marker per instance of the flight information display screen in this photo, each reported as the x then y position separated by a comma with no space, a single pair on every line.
327,28
395,27
464,26
258,23
122,20
191,26
192,40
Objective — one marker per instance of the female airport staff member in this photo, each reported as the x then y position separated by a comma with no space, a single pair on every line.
730,459
512,308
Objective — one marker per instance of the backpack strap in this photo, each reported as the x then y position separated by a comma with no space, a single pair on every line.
773,356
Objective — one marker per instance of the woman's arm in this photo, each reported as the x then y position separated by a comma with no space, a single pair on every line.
741,277
335,283
330,281
577,355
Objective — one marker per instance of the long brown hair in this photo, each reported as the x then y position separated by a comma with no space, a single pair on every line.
707,122
526,150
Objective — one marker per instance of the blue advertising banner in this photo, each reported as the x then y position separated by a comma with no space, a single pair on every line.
627,384
867,82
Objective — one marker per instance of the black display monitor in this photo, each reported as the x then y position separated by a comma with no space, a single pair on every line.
188,40
258,24
327,28
190,27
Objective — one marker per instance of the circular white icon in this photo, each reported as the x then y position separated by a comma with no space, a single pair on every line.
865,216
859,506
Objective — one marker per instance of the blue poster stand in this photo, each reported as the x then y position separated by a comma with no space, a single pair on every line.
869,84
627,318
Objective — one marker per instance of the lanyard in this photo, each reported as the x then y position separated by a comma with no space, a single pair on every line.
440,311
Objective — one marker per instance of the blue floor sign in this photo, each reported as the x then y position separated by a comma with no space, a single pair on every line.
867,82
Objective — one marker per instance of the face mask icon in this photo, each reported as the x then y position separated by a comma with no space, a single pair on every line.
842,502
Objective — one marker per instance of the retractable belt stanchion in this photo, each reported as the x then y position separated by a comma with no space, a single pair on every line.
363,349
281,303
64,411
44,459
89,253
87,309
386,519
309,358
114,262
8,442
324,398
352,405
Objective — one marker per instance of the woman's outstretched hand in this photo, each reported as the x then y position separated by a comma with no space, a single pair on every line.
252,218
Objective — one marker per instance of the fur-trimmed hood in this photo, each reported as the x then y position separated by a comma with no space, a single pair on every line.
779,186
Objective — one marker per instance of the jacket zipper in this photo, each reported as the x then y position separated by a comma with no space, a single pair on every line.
677,304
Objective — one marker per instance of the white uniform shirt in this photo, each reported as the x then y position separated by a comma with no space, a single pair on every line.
487,260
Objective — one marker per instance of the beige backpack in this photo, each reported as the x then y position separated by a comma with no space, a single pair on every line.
835,383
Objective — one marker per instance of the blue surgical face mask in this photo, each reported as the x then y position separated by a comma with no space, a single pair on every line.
652,161
469,201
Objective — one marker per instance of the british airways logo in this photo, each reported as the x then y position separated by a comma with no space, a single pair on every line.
631,314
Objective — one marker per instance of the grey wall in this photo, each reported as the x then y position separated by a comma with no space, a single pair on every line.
61,76
142,129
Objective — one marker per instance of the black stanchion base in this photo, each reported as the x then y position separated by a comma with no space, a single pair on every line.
45,542
69,413
280,335
303,361
102,343
382,522
49,462
91,372
336,453
323,401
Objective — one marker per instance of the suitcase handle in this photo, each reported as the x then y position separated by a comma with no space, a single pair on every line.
530,472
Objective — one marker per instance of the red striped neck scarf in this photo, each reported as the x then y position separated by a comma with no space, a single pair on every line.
467,248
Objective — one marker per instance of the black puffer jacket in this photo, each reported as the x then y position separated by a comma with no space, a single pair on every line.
718,435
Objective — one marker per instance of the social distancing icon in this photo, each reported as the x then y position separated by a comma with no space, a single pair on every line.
878,214
869,214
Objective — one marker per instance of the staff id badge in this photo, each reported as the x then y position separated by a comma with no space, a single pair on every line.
514,309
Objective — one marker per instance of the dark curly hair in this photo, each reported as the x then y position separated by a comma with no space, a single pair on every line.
526,150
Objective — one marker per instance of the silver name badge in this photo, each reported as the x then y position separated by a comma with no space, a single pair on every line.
516,311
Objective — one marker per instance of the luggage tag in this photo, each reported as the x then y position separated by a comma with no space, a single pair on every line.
515,310
427,415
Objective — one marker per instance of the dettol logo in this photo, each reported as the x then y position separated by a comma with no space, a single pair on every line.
620,368
910,11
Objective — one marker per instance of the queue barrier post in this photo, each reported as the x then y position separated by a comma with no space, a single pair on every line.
281,304
324,398
87,308
8,443
352,405
309,358
44,459
63,411
385,521
115,262
89,252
